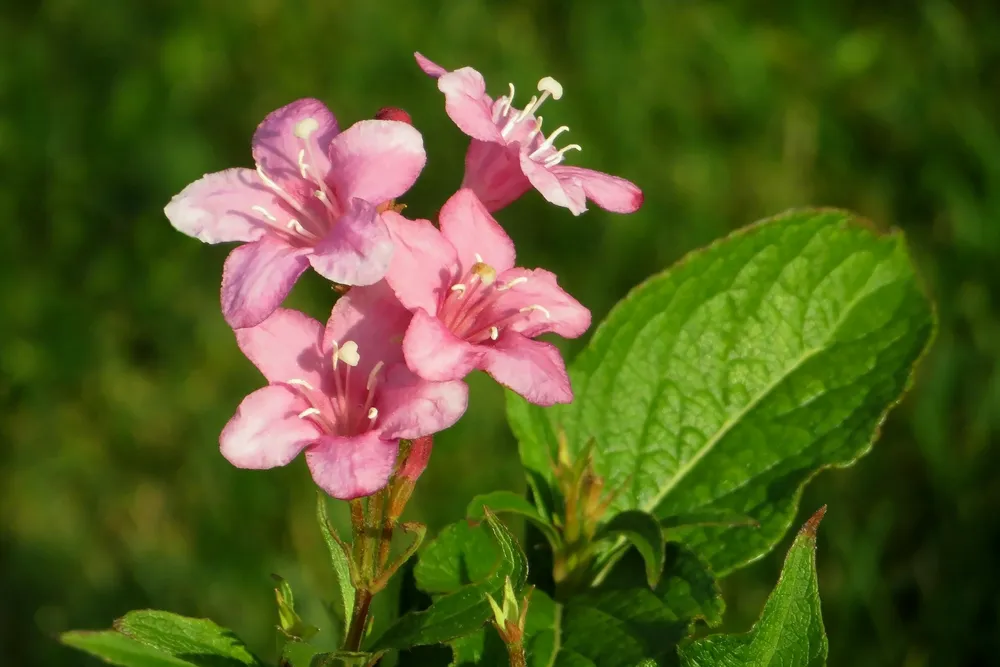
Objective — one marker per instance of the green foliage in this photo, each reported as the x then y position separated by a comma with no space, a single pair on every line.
463,607
506,502
161,639
339,560
484,648
726,382
643,531
790,630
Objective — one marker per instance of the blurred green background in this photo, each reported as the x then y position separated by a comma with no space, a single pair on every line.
117,372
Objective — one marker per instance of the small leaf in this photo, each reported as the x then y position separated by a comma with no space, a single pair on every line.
507,502
728,381
197,640
484,648
289,622
645,534
117,649
790,630
339,559
462,554
466,609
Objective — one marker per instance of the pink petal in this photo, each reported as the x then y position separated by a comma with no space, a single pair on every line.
357,249
533,369
376,160
219,207
374,319
567,193
411,408
430,68
434,353
286,346
266,431
277,143
349,467
468,105
424,264
493,172
609,192
559,312
257,277
469,227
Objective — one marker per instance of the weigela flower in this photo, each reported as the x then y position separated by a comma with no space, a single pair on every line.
341,394
312,200
509,153
473,309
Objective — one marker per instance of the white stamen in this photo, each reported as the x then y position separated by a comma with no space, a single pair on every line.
308,412
305,127
300,383
348,353
334,354
372,376
320,195
303,167
541,309
557,157
549,85
494,333
458,287
545,145
373,414
508,100
538,128
267,181
296,226
263,211
479,258
513,283
532,104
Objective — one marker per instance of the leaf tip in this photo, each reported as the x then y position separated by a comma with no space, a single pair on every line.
809,529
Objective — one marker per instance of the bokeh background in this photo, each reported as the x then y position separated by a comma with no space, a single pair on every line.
117,372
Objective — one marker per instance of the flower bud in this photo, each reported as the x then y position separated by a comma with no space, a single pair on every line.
393,113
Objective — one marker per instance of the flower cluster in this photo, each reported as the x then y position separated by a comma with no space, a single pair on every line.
424,303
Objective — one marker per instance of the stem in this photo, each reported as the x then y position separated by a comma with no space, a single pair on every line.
359,620
515,651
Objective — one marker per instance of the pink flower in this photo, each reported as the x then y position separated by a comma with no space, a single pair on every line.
473,309
509,153
341,394
313,200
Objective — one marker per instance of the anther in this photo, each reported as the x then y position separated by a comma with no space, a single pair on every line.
296,226
549,85
479,258
513,283
458,287
373,414
486,273
541,309
348,353
372,377
535,131
263,211
557,157
494,333
300,383
305,127
309,412
548,142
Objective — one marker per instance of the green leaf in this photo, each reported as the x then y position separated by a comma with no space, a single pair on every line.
465,609
344,601
725,383
197,640
150,638
117,649
622,622
789,632
508,502
290,624
485,648
645,534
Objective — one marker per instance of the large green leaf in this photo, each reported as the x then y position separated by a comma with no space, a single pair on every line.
790,630
462,610
343,605
727,382
622,622
117,649
149,638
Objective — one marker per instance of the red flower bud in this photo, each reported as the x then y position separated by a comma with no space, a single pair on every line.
393,113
